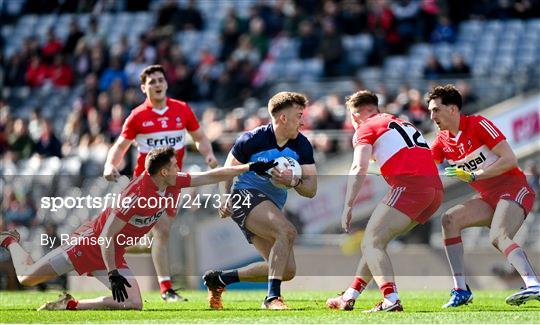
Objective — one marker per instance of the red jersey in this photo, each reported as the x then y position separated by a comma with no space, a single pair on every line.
140,216
152,128
400,151
470,150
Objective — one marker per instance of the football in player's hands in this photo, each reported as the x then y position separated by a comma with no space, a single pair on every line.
286,166
261,167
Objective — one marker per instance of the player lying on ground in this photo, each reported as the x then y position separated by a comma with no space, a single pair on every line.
416,193
106,261
479,154
158,122
263,222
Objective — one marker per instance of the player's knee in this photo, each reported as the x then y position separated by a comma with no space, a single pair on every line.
372,242
496,237
285,232
449,221
134,303
290,233
137,305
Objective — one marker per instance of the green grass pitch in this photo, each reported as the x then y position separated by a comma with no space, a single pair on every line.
243,307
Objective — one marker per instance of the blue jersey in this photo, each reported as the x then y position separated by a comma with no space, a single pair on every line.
260,145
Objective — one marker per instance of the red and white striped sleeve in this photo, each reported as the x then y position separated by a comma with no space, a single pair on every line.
126,212
488,133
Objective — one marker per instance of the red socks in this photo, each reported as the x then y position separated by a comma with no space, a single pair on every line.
72,305
388,288
509,249
452,241
358,284
8,241
165,285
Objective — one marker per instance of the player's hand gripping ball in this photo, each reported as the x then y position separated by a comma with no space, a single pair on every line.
284,164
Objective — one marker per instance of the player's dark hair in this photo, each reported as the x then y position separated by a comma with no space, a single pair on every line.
362,98
448,94
158,158
285,99
149,70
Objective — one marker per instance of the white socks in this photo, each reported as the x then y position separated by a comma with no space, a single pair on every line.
454,253
351,293
516,256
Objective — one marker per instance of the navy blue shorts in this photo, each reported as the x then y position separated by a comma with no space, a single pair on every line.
243,201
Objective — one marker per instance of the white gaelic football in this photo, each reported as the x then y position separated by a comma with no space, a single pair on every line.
288,163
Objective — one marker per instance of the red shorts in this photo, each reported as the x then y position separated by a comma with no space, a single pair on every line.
87,259
418,203
522,194
86,255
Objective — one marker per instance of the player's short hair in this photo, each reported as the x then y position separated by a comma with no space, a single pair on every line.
284,100
149,70
361,98
158,158
448,94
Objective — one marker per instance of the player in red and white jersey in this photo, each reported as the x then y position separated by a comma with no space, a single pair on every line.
479,154
416,193
159,121
97,248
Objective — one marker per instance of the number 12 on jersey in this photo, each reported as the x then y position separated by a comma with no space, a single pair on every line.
411,136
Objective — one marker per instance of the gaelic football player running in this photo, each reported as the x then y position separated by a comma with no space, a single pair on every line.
262,221
416,193
479,154
105,261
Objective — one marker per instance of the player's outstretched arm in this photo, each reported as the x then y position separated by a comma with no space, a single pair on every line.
224,173
112,227
357,174
114,157
205,148
307,185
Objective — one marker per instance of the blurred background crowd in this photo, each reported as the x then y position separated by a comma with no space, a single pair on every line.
70,68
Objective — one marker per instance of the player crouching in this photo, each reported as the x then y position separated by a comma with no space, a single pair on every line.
161,179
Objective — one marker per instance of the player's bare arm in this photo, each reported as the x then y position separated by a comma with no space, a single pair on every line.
226,173
114,157
118,283
225,210
204,147
307,185
507,161
112,227
357,174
